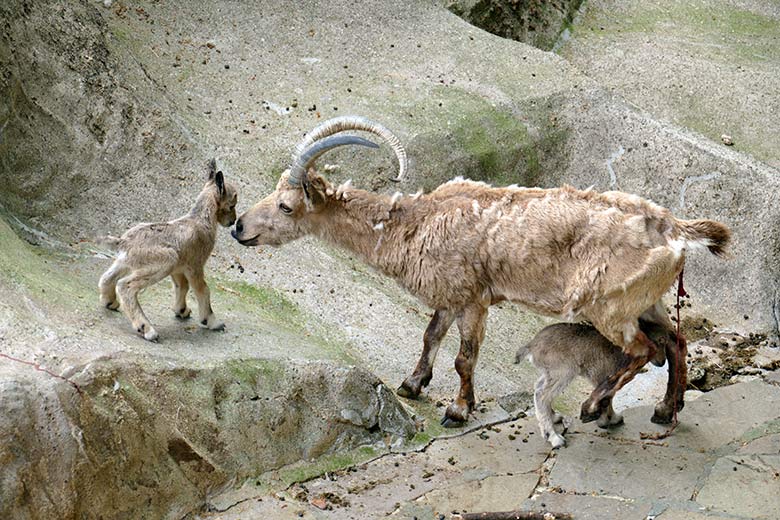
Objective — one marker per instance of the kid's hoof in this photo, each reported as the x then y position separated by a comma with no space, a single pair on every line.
406,391
113,306
556,441
184,314
557,418
448,422
212,324
147,332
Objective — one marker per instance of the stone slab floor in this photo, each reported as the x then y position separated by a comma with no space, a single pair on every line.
723,461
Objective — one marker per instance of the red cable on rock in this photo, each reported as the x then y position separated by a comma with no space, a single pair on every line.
39,368
680,359
680,293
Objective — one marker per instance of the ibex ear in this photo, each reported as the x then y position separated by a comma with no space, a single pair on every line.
219,180
212,169
314,188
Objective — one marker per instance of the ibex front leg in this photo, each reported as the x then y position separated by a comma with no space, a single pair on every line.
437,328
471,323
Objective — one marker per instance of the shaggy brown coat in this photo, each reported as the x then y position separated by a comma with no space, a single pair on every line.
579,255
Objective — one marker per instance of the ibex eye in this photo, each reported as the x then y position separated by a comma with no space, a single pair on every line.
284,207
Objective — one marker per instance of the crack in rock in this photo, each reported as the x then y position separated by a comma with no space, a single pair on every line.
617,154
694,179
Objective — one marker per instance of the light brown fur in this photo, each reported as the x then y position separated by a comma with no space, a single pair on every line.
581,255
566,350
179,249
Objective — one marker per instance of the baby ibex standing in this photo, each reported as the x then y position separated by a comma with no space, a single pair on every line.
179,249
566,350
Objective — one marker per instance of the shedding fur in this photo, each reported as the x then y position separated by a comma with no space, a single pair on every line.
179,249
582,255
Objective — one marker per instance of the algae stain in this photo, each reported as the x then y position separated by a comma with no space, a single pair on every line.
252,371
307,470
495,140
40,272
267,300
281,314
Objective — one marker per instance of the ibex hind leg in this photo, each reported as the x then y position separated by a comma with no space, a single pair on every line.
638,353
128,289
108,281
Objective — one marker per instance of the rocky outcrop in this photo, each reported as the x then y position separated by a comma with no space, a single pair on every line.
536,22
142,441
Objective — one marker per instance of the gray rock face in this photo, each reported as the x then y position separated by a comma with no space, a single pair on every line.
107,116
598,475
136,111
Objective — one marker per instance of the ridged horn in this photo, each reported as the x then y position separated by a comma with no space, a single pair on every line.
302,162
345,123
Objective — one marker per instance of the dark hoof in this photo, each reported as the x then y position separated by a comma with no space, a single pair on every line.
448,422
664,414
587,416
661,419
406,392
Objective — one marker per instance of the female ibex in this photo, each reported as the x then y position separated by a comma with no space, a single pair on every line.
581,255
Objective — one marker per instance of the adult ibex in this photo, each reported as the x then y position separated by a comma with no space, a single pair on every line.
581,255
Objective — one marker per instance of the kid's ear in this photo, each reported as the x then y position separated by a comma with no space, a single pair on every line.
219,180
212,169
314,188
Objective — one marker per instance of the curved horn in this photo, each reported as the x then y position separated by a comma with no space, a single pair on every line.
304,160
344,123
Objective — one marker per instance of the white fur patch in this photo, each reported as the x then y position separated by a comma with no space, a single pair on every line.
379,226
396,197
680,245
629,332
475,207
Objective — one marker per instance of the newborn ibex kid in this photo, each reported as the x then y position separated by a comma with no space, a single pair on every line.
566,350
179,249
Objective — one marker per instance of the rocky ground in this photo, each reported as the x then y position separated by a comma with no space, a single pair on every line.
722,461
108,113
